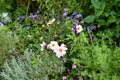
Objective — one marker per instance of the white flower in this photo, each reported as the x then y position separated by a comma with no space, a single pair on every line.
53,45
60,50
79,28
5,18
43,46
51,21
4,14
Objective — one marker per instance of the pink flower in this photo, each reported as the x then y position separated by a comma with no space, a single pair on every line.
82,22
74,66
60,50
43,46
64,78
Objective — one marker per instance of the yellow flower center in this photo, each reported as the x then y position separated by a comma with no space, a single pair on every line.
78,28
60,50
53,44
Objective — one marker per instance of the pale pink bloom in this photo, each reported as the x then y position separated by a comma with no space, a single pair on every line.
53,45
43,46
51,21
64,78
79,28
60,50
82,22
74,66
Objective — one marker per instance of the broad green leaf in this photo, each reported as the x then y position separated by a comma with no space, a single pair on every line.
99,6
98,12
96,4
89,19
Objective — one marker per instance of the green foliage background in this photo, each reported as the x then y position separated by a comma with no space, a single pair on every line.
96,59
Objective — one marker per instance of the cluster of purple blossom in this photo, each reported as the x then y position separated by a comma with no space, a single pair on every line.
78,22
32,15
75,16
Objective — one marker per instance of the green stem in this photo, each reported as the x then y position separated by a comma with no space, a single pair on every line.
28,7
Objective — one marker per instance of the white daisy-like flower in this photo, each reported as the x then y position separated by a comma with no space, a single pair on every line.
79,28
51,21
60,50
53,45
43,46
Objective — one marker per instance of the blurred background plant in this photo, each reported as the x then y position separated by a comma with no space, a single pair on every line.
32,66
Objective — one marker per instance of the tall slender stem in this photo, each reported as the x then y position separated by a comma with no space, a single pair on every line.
28,5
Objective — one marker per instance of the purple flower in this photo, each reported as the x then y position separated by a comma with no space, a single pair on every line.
75,23
88,29
74,13
20,17
61,18
74,16
33,15
74,28
64,78
1,25
65,14
65,9
94,27
55,16
78,16
70,17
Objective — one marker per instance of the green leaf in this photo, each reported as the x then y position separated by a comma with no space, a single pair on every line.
101,22
47,1
89,19
99,6
96,4
98,12
111,19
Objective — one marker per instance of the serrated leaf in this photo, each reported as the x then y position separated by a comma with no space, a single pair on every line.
89,19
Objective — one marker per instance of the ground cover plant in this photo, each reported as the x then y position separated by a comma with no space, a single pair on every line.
60,40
